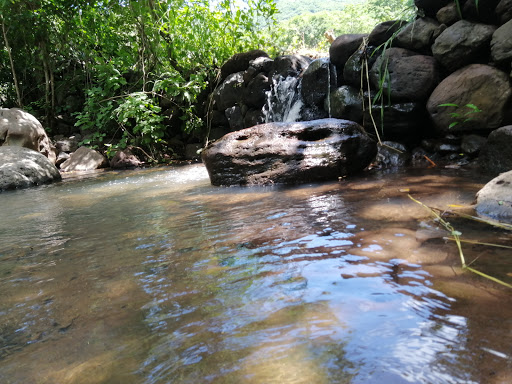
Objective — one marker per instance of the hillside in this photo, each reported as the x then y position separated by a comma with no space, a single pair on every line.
291,8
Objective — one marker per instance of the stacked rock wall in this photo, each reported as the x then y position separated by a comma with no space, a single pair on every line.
446,74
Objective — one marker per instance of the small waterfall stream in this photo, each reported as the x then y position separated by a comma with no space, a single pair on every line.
284,101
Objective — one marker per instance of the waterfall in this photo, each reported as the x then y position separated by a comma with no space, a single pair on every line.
284,102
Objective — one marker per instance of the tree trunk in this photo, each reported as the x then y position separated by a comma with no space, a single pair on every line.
13,70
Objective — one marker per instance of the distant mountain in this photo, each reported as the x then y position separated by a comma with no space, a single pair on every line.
291,8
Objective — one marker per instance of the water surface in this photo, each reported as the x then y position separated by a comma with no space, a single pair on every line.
154,276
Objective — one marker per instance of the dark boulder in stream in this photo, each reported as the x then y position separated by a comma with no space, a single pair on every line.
289,153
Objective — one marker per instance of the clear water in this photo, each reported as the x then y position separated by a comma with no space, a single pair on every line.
155,276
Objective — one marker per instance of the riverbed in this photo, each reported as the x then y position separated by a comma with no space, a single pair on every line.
155,276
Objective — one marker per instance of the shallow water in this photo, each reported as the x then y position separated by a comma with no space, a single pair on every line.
155,276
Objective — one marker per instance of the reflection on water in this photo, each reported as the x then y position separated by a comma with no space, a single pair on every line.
156,277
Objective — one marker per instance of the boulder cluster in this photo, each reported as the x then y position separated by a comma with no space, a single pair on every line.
438,85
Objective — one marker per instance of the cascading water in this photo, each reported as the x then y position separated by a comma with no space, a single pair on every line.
284,101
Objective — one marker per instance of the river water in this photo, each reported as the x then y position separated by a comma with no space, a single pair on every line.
154,276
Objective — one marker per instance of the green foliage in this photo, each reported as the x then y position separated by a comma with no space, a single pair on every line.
463,114
117,60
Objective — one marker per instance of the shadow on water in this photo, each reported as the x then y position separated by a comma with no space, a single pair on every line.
156,277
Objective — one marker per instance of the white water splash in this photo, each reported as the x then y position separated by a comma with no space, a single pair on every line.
284,102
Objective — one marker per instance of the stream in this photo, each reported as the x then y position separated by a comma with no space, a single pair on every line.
155,276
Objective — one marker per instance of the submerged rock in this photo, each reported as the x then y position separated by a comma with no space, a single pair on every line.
22,167
494,200
289,153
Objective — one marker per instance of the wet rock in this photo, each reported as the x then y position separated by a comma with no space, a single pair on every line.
235,118
342,48
346,103
504,11
352,69
21,129
391,155
449,14
21,167
430,7
407,75
240,62
84,159
229,93
317,81
494,200
401,121
501,44
480,85
255,92
289,153
419,35
125,159
384,31
496,156
289,65
262,64
253,117
463,43
472,144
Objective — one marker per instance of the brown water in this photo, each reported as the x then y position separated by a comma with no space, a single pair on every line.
154,276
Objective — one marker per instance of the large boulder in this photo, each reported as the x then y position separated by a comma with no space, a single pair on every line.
419,35
317,81
463,43
289,65
342,48
477,85
404,75
20,128
229,93
84,159
346,102
496,155
289,153
240,62
504,11
22,167
501,44
385,31
494,200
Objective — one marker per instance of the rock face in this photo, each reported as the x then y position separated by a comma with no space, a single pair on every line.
20,128
481,85
501,44
494,200
419,35
240,62
23,167
409,76
289,153
496,156
84,159
463,43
